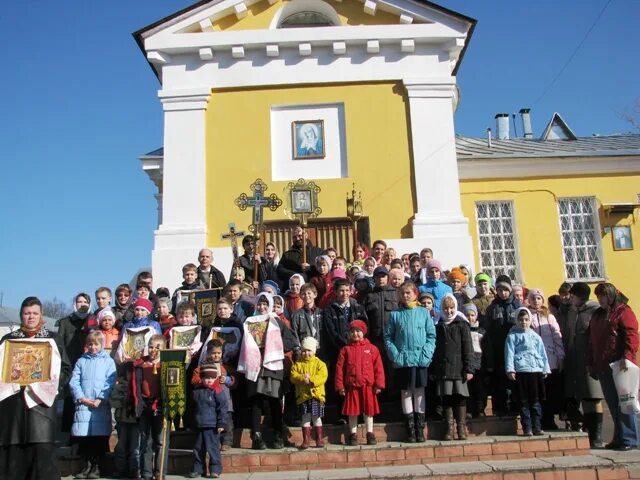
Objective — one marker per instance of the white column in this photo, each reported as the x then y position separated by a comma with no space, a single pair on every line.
438,222
183,230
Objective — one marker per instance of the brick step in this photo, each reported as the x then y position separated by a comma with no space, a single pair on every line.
385,432
337,457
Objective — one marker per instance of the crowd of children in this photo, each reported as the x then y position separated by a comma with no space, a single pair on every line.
437,342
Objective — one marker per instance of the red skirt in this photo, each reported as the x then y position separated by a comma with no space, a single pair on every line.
360,400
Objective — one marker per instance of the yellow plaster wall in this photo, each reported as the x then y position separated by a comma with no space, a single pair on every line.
538,225
238,150
260,14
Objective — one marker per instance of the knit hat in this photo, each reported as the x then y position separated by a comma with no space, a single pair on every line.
535,292
433,263
456,274
380,271
209,370
324,258
105,312
424,295
143,303
359,325
166,300
309,343
271,284
504,281
581,290
469,307
482,277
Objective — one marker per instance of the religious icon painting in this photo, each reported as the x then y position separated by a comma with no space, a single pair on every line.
622,238
26,362
258,330
206,302
182,337
307,138
302,201
173,377
135,342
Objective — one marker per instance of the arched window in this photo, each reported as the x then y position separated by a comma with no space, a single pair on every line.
305,14
306,19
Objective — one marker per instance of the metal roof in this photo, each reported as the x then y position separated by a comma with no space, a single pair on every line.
596,146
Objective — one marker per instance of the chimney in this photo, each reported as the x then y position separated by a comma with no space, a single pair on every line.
502,126
526,123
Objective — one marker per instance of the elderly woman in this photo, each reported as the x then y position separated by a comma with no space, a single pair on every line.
613,333
28,427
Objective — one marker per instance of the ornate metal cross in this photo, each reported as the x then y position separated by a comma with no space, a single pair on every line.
232,235
258,202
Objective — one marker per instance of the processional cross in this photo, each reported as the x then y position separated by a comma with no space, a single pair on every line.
233,235
257,202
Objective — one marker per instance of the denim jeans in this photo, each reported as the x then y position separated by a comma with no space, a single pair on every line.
625,430
207,441
127,451
152,437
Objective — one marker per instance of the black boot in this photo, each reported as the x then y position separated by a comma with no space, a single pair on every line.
461,421
419,418
257,443
448,418
278,442
85,471
593,423
411,431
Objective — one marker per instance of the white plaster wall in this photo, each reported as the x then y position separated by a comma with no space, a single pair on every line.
333,165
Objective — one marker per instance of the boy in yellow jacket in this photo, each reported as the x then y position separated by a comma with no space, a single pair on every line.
309,374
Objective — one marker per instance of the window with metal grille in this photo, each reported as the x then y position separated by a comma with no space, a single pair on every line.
496,231
580,238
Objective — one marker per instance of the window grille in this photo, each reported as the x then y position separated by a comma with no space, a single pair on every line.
496,231
580,239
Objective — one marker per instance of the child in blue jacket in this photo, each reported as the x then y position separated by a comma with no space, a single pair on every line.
526,362
93,378
210,412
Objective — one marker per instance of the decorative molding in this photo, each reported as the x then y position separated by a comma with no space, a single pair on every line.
241,10
370,7
237,51
184,99
373,46
339,48
304,49
406,19
430,87
158,58
498,168
407,46
206,25
272,50
205,54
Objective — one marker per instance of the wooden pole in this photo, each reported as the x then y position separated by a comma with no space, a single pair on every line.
256,265
165,440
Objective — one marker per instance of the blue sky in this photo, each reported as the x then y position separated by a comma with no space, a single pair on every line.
79,106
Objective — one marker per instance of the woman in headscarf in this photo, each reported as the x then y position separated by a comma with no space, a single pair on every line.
613,332
28,427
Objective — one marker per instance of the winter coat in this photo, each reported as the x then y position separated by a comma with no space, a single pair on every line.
482,303
307,324
498,320
547,327
359,365
438,289
336,325
217,279
477,341
121,400
21,425
209,408
291,262
143,322
71,337
318,375
577,381
614,336
410,337
524,352
93,377
453,357
266,270
379,304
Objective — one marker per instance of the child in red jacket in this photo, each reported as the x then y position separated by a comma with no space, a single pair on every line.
359,378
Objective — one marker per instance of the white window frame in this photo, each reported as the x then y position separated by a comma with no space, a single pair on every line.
492,270
596,235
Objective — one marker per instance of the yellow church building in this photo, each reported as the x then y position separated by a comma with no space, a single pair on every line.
343,92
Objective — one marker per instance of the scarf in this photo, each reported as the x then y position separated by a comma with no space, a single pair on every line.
411,305
40,331
251,360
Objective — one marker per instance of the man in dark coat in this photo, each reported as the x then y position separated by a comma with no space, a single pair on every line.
266,270
208,275
498,320
291,261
